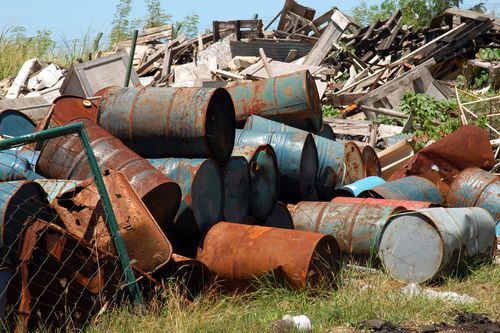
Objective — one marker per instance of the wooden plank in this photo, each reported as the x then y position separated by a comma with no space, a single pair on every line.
265,62
277,49
332,33
469,14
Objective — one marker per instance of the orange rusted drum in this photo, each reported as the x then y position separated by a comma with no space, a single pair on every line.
239,252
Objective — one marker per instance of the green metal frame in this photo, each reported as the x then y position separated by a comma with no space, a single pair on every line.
112,223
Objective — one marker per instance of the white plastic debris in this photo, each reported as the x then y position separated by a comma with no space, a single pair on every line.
413,290
27,68
301,323
47,78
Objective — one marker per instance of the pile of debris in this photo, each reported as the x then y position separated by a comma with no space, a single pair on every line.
217,162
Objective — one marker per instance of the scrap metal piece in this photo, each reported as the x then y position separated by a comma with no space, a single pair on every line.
239,253
64,158
68,108
371,162
82,213
264,178
15,123
468,146
171,122
236,189
291,99
475,187
408,204
435,242
356,227
297,160
407,188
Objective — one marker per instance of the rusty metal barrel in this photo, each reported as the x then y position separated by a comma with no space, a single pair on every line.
64,158
291,99
193,276
408,204
356,227
236,179
280,217
171,122
241,252
474,187
202,189
20,202
371,162
297,160
339,163
13,166
264,178
408,188
432,243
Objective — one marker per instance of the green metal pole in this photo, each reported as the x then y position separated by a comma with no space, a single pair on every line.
112,223
131,58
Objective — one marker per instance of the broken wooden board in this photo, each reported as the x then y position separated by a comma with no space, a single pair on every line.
331,34
258,71
276,49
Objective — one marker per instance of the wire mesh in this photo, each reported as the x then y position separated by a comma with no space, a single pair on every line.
58,264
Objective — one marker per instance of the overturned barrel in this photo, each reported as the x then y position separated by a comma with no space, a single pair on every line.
297,160
15,123
280,217
13,166
239,253
338,163
408,204
475,187
326,132
432,243
356,227
408,188
171,122
236,179
64,158
202,189
291,99
264,178
356,188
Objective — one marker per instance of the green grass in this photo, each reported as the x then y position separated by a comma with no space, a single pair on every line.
361,296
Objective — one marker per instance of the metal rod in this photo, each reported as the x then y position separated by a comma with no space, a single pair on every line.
131,57
112,224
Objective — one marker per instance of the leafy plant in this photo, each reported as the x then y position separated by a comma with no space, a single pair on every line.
121,24
488,54
329,111
188,26
481,78
434,118
156,16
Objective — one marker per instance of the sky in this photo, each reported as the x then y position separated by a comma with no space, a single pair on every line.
69,19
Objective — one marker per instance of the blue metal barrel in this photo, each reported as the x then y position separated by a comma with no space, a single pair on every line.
264,178
357,227
337,165
432,243
356,188
171,122
13,166
64,158
236,190
475,187
297,160
291,99
408,188
202,189
15,123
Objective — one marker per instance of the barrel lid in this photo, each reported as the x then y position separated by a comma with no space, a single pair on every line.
15,123
411,248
